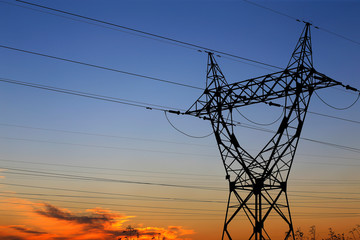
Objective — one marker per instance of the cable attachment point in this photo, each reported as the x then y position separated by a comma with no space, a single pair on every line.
175,112
351,88
274,104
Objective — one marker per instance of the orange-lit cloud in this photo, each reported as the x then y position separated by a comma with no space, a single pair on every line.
48,222
2,170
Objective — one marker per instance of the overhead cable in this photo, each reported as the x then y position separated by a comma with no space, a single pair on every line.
158,213
99,67
338,108
91,178
272,10
99,25
88,95
103,146
99,97
334,117
298,20
176,173
7,194
101,135
182,132
148,34
262,124
114,169
111,194
83,177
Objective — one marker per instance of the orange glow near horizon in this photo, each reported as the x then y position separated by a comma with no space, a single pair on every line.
42,221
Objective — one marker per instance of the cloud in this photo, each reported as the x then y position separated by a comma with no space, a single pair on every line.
48,222
3,237
96,219
27,230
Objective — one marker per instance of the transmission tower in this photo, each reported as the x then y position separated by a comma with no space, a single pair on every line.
258,184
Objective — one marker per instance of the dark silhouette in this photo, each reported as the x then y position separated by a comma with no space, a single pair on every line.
332,235
258,184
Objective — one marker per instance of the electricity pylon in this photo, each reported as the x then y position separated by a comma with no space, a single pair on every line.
258,184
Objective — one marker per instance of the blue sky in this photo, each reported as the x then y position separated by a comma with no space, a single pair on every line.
235,27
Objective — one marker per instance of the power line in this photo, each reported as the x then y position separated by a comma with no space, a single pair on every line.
158,198
123,173
338,108
272,10
149,34
122,101
103,146
182,132
262,124
154,172
132,102
161,213
352,149
89,95
136,206
91,178
100,67
298,20
111,99
101,25
169,208
334,117
298,216
105,204
103,135
354,91
338,35
82,177
113,194
326,181
325,197
112,169
124,205
157,140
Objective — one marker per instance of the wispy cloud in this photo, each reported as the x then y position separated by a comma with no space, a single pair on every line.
2,170
48,222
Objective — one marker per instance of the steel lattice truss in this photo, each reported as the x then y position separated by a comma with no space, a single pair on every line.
258,184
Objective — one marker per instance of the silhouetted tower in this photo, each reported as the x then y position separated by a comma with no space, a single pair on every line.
258,184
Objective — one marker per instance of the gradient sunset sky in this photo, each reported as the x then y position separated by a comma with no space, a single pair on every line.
80,168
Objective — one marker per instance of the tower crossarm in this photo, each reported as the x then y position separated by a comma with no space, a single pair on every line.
262,89
258,184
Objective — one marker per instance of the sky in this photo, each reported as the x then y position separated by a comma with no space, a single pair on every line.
80,168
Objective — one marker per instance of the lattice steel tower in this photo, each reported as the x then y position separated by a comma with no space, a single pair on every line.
258,184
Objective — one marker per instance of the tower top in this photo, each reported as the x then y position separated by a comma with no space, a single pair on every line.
302,55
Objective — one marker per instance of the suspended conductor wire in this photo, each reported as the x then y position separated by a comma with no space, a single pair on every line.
298,20
88,95
148,106
247,63
97,97
99,25
334,117
272,10
149,34
262,124
338,35
129,102
100,67
182,131
337,108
